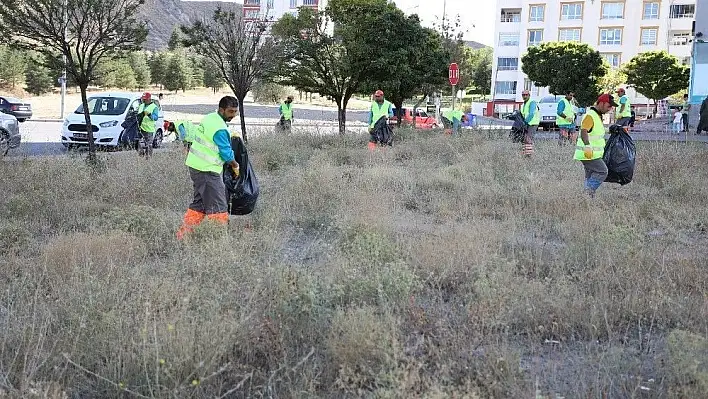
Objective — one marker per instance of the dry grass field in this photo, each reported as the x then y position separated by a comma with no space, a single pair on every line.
439,268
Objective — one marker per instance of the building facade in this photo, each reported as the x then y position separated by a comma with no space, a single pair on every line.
274,9
618,29
699,67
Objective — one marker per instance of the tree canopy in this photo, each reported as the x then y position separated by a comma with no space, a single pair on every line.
656,74
564,67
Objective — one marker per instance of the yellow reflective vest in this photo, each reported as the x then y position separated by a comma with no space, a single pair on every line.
148,125
204,153
526,109
379,112
569,112
627,109
596,137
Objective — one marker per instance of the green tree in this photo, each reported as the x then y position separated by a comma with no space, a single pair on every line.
266,92
179,74
85,32
213,78
409,68
175,42
335,65
116,73
139,63
13,65
39,79
481,70
158,67
196,65
615,78
656,75
239,49
452,31
564,67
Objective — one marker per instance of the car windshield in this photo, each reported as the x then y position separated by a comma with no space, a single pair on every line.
105,106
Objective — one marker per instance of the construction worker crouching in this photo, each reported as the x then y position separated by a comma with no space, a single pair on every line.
623,111
452,120
532,116
590,146
565,119
286,114
184,130
209,151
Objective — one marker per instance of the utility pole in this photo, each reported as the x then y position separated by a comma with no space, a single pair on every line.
63,57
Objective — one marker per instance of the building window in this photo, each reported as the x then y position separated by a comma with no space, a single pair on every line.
270,4
569,35
683,11
686,61
535,37
252,3
612,10
651,10
309,2
508,15
532,89
293,3
614,59
570,11
507,64
649,36
537,13
508,39
505,87
680,38
251,14
610,36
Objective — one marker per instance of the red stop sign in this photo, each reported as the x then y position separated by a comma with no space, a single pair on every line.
454,74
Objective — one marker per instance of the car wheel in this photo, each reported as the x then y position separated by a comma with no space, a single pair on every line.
157,142
4,143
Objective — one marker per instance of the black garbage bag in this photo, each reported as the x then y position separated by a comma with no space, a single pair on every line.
518,129
382,133
620,156
242,191
130,129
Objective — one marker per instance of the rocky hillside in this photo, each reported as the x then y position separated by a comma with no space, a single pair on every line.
163,16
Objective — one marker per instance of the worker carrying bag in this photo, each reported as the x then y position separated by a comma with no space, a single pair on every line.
620,156
242,191
518,129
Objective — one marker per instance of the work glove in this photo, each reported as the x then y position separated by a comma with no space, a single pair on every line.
588,152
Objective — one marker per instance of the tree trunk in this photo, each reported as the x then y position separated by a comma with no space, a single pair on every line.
415,107
399,112
341,116
87,119
242,117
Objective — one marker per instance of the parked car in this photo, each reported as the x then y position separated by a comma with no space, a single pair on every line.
16,107
108,111
548,106
9,133
422,119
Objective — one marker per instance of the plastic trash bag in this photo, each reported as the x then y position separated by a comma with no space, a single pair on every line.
382,133
242,191
620,156
518,129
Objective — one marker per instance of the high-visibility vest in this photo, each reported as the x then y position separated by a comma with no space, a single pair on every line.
526,109
189,129
627,109
148,125
452,114
204,153
596,137
569,112
379,111
287,110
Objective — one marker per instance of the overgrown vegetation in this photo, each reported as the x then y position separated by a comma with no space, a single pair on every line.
441,267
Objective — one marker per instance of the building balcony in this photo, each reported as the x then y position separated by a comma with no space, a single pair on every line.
252,3
310,3
510,15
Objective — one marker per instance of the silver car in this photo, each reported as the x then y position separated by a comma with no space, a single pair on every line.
9,133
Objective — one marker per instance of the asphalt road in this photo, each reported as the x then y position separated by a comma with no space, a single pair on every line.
43,138
271,112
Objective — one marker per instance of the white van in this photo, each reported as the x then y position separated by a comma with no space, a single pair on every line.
548,106
108,111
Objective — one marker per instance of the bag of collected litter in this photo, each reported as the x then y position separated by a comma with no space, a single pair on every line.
620,156
518,129
382,133
242,191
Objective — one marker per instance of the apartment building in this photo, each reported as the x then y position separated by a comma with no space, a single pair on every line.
699,69
618,29
274,9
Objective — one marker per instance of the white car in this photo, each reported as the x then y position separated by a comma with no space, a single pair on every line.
548,106
108,111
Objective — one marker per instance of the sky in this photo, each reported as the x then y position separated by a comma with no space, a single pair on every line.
477,13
